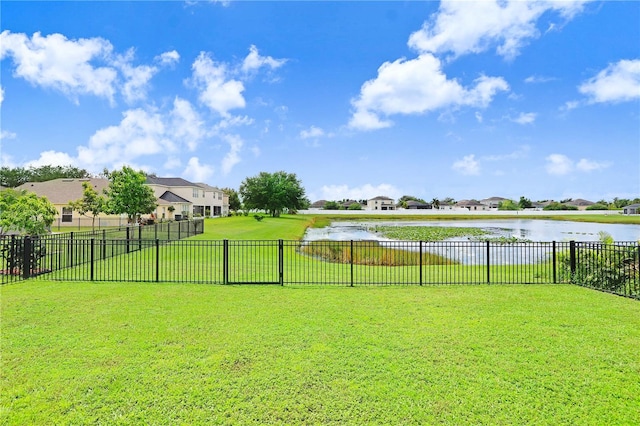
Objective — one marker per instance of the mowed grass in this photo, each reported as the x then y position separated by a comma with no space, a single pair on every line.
144,353
115,353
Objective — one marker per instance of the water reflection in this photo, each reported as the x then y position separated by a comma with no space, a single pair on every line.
534,230
465,251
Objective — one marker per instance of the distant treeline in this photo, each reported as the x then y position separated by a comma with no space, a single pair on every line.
12,177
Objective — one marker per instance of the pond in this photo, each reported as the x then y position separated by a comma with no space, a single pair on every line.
475,252
529,229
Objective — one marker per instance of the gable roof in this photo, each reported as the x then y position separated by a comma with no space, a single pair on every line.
61,191
169,181
579,202
170,197
381,197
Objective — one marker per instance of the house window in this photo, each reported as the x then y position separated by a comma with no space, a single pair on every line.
196,193
67,214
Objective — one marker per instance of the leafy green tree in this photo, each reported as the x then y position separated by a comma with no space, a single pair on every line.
332,205
355,206
91,202
25,212
598,206
559,206
273,192
234,199
12,177
403,201
435,203
508,205
525,203
128,194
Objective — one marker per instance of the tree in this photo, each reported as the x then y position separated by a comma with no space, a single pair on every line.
332,205
12,177
91,202
508,205
435,203
25,212
525,203
355,206
234,199
273,192
128,194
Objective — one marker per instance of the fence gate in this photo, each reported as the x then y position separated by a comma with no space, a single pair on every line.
253,262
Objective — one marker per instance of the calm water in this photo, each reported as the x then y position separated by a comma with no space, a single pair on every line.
474,253
534,230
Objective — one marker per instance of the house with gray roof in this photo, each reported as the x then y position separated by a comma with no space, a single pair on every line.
580,203
180,198
632,209
492,202
381,203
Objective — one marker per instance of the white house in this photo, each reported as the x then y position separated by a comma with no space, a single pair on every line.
381,203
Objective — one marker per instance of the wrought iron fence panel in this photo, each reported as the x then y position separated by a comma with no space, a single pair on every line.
608,267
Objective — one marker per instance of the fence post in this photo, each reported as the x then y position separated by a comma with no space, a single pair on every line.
179,229
572,257
225,261
281,261
26,257
93,246
71,249
168,231
155,230
128,228
488,263
351,261
555,268
420,262
157,260
104,244
13,262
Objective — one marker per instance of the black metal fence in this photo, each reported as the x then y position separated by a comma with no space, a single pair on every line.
608,267
27,257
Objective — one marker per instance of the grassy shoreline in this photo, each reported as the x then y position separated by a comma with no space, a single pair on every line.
322,220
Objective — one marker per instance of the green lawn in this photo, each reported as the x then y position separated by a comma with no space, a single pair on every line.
114,353
144,353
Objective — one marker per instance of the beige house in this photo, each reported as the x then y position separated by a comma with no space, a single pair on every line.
187,198
493,202
471,205
62,191
381,203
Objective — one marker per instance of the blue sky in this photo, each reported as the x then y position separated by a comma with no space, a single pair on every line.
358,99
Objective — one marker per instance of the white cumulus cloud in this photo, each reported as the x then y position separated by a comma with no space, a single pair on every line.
416,86
254,61
618,82
52,158
233,156
525,118
197,172
168,58
312,132
560,164
61,64
467,166
463,27
218,91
